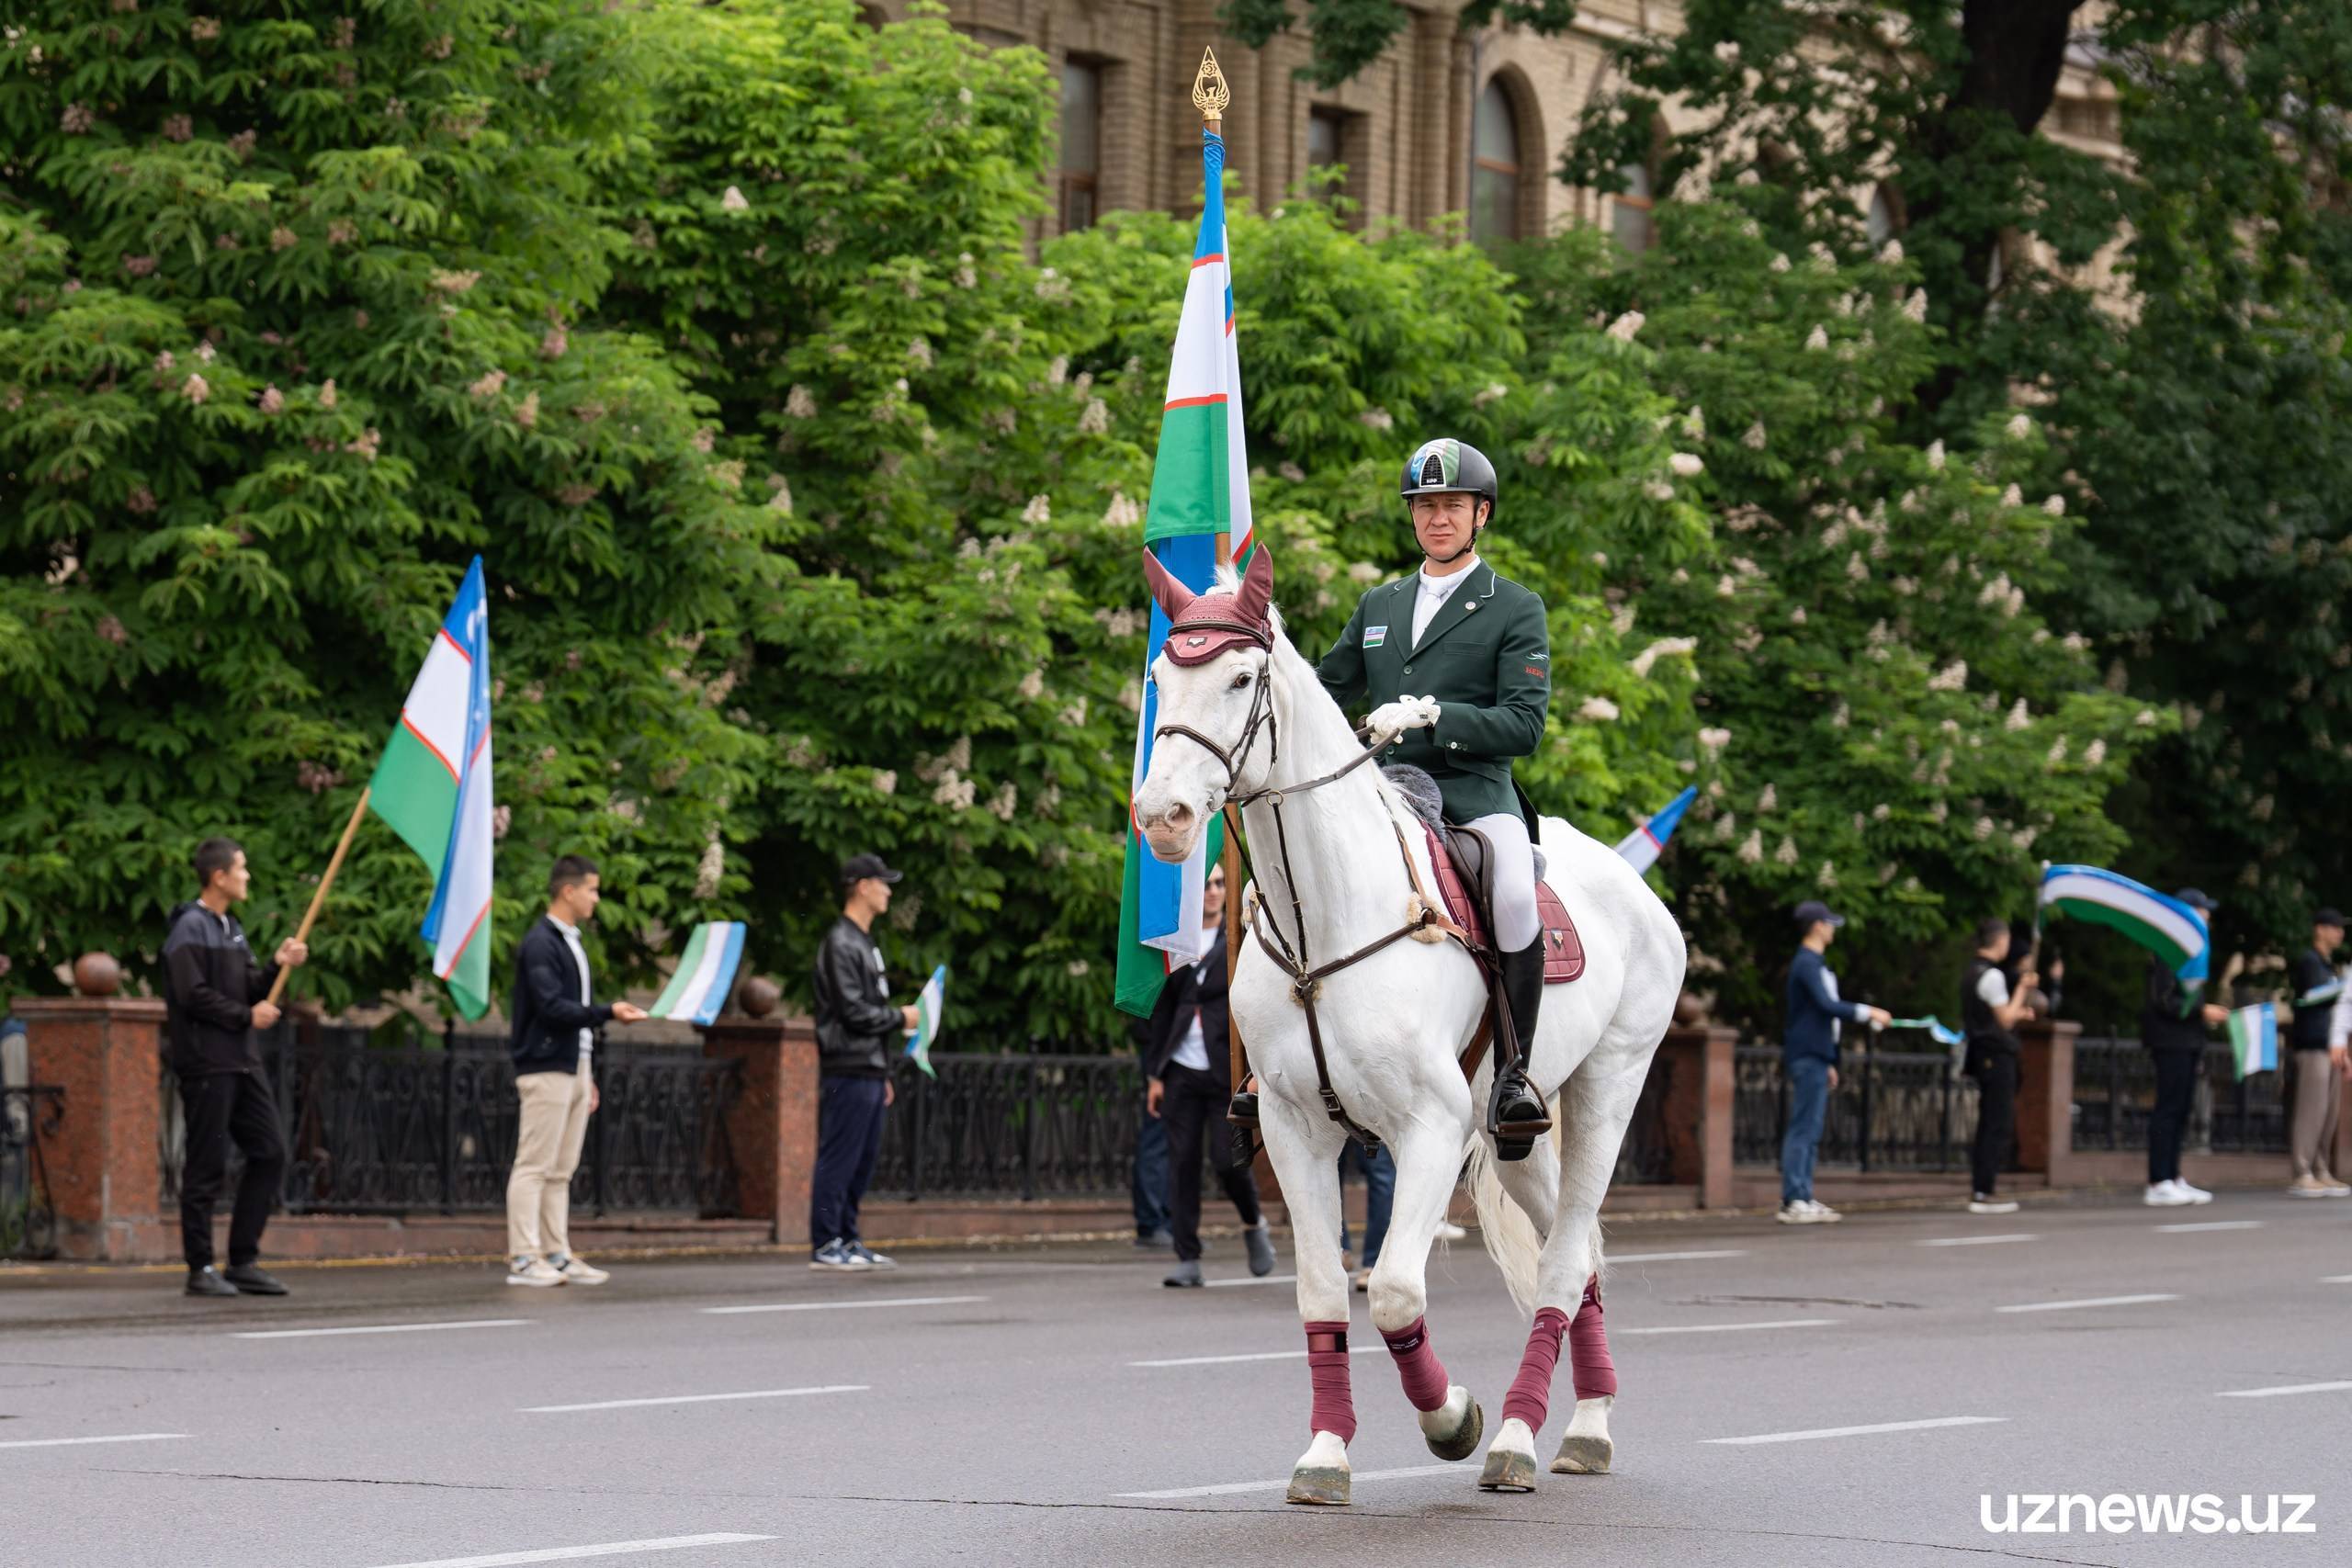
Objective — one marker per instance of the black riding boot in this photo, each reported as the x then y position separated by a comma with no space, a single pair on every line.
1243,1111
1515,1116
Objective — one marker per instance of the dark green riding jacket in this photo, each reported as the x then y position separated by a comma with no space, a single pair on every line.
1487,657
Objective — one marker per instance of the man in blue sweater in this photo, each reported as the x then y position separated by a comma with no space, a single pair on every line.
1809,1060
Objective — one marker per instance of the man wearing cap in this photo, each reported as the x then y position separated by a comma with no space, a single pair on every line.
856,1030
1477,646
2316,1067
1809,1059
2173,1022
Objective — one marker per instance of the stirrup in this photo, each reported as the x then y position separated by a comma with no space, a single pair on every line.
1242,1112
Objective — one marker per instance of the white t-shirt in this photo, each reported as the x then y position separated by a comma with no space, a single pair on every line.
1435,591
579,957
1993,988
1193,1051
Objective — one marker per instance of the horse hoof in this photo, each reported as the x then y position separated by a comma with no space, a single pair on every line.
1584,1454
1508,1471
1464,1440
1319,1485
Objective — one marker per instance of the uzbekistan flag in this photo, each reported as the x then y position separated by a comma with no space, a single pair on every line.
432,788
2253,1039
1642,846
928,1006
705,974
1199,489
2167,927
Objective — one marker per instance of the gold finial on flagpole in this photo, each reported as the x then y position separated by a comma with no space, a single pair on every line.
1210,95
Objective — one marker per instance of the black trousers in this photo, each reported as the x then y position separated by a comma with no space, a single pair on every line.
849,1139
225,1108
1995,1072
1195,1105
2176,1093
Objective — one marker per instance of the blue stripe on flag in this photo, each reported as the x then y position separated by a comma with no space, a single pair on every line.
722,980
1191,559
466,625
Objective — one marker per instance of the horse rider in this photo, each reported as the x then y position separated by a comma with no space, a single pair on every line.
1475,644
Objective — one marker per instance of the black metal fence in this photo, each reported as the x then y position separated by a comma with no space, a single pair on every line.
1891,1111
1055,1126
2115,1086
28,1112
379,1130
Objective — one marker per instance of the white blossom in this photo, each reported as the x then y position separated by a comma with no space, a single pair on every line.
2057,752
781,501
2094,753
1787,854
1659,490
1600,710
711,868
1713,740
1663,648
1952,677
2019,718
1780,261
1982,830
1828,877
1766,801
1122,513
734,201
1936,455
799,404
1094,418
1687,464
1624,328
1004,803
2019,427
886,781
1378,418
1751,849
1694,423
2055,505
1755,438
1915,307
1817,339
1891,253
1039,510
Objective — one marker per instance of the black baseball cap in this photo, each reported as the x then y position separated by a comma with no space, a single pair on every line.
1814,909
2197,900
857,868
2329,916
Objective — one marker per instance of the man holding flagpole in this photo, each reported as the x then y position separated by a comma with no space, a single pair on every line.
2172,1025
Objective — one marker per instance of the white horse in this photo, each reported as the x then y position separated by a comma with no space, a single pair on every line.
1243,717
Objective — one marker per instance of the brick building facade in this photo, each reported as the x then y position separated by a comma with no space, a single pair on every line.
1443,122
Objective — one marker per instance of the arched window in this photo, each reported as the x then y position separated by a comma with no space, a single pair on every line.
1632,212
1880,222
1494,174
1082,143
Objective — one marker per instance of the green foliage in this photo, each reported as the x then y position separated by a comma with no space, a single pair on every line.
1349,35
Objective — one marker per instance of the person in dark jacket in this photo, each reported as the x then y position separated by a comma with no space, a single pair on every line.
215,996
2317,1070
1990,1010
857,1030
1188,1080
553,1040
2172,1025
1809,1060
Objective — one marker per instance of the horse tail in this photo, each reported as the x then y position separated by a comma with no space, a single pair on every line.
1512,1238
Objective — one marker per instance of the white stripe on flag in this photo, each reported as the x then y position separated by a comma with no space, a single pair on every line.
714,954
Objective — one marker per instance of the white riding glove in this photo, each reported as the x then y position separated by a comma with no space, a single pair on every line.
1391,719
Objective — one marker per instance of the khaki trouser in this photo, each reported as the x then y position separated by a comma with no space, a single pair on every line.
547,1151
2313,1137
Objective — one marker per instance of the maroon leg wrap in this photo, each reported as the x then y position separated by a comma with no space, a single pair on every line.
1589,1362
1327,1367
1529,1398
1417,1363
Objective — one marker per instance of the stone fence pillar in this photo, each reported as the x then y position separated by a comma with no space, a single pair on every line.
1696,1115
773,1126
104,1163
2046,1099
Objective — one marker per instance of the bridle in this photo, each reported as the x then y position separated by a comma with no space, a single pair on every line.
1424,915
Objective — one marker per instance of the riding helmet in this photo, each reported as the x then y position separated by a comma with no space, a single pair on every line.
1437,467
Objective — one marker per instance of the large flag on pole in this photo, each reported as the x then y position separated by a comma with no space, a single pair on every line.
432,788
2166,927
1642,846
1200,489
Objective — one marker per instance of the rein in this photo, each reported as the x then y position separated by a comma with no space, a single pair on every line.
1306,977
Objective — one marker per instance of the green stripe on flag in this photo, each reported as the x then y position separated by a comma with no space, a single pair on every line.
685,976
416,796
1189,489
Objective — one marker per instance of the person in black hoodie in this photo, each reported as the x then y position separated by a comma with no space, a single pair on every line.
215,996
857,1029
1990,1010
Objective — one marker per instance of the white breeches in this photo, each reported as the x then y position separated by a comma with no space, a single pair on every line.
1512,881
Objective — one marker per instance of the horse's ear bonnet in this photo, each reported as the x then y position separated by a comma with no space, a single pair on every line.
1201,625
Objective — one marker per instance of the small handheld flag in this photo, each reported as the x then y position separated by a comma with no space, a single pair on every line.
1938,1030
2253,1039
928,1006
2166,927
705,974
1641,847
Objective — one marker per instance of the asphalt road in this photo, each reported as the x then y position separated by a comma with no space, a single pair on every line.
993,1408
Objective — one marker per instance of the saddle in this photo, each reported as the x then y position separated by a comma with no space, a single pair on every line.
1563,949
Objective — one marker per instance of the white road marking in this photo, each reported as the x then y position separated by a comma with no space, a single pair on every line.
76,1442
380,1328
1229,1488
2337,1279
2214,1226
2086,1301
843,1305
1267,1279
1729,1327
1974,1240
1863,1431
1261,1356
568,1554
2287,1388
694,1398
1672,1257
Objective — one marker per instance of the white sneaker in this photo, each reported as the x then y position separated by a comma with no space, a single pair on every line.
1984,1204
580,1272
1798,1211
2191,1194
2165,1195
533,1271
1822,1213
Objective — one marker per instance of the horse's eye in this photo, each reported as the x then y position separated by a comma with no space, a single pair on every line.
1241,679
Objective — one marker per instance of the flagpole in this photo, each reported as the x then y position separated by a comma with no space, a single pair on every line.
343,845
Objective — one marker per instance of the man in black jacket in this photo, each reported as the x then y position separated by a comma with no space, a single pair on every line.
2315,1067
2172,1025
856,1031
1990,1011
215,996
556,1020
1187,1067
